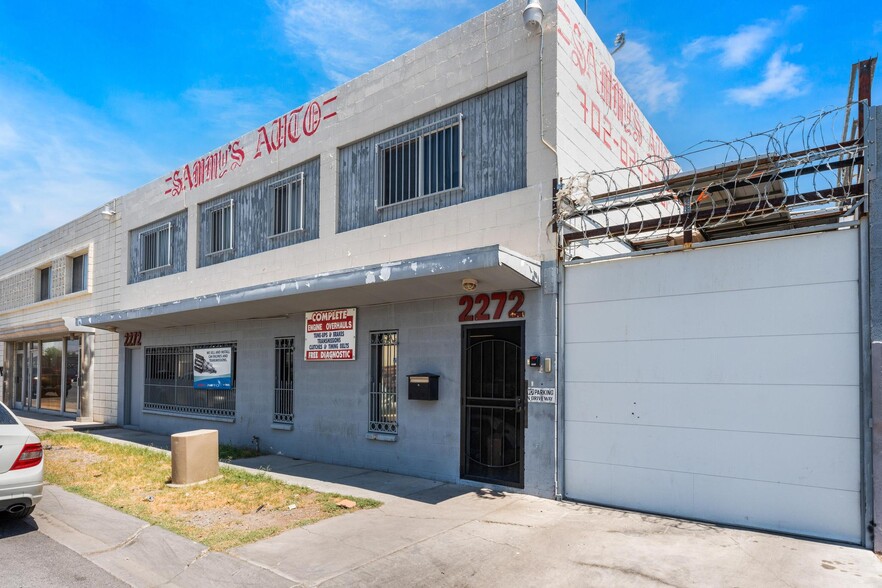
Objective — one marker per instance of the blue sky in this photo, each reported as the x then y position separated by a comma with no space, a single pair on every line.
100,97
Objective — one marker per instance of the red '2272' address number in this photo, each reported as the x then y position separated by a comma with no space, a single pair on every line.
477,307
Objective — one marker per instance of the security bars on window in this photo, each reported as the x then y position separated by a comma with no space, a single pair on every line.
156,248
425,161
168,383
220,228
284,400
384,382
288,206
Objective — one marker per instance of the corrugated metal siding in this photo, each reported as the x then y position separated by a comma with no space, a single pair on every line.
494,158
253,216
178,249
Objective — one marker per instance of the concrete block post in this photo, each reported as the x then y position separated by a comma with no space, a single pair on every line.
194,456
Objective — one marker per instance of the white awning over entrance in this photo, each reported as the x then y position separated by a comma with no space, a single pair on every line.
421,278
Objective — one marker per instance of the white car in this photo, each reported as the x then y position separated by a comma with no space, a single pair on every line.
21,467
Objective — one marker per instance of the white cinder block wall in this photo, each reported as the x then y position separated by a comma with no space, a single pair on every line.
599,126
100,238
331,400
582,129
598,123
482,53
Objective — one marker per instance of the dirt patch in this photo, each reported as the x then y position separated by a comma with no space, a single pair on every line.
74,455
259,519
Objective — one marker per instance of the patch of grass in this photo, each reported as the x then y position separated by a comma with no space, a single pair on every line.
231,452
236,508
328,502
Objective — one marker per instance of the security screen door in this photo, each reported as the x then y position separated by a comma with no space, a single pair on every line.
493,405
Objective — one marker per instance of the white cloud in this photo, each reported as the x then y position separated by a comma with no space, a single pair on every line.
349,37
8,137
649,82
59,160
424,4
235,110
746,43
795,13
781,79
737,49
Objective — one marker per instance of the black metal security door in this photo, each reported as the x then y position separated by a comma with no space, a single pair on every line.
493,405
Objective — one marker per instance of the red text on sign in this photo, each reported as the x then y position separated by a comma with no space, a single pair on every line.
478,307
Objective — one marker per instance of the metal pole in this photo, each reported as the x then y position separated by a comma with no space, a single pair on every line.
873,401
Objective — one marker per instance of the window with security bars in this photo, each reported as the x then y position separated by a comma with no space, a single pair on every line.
422,162
220,228
284,397
384,382
288,206
168,383
155,248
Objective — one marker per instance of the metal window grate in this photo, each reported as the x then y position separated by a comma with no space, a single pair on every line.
168,383
284,397
400,172
441,160
384,382
221,228
288,206
155,248
425,161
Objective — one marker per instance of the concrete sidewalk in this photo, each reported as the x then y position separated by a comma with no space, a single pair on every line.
449,535
52,422
138,553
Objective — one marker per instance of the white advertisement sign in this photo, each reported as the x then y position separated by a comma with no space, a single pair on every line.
330,335
213,368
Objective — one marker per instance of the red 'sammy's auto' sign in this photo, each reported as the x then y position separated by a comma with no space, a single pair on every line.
302,122
330,335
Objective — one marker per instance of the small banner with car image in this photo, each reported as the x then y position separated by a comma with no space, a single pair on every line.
213,368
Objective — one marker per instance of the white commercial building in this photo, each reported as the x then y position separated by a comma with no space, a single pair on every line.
369,280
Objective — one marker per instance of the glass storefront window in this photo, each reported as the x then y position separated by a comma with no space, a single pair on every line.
72,375
50,375
19,378
47,375
33,359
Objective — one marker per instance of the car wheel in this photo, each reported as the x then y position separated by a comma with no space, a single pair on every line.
22,514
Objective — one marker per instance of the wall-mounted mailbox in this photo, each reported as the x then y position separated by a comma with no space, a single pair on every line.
422,386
